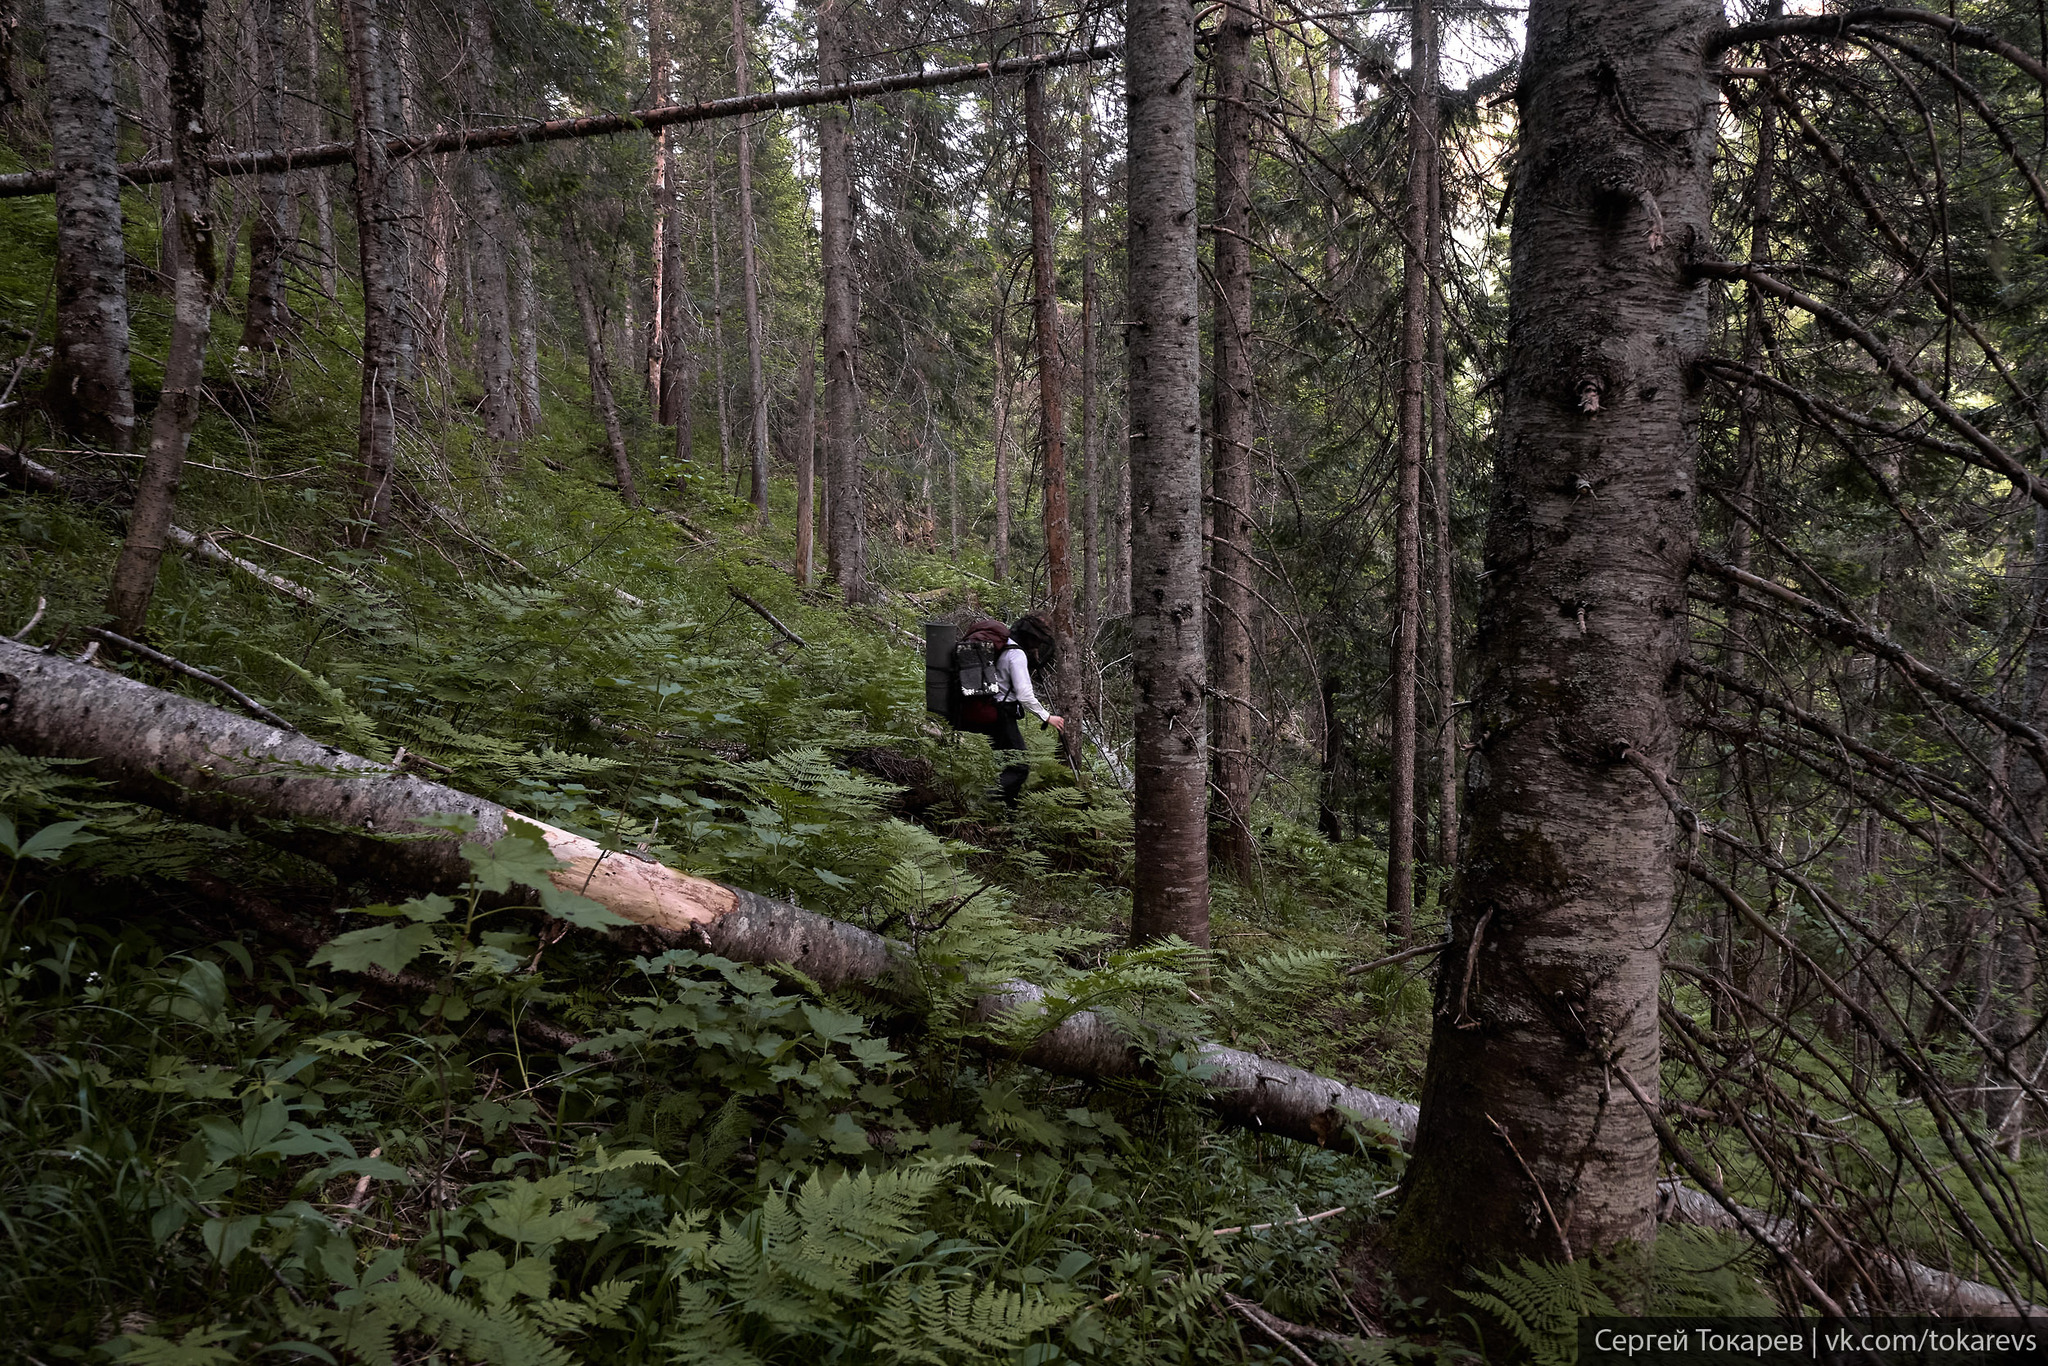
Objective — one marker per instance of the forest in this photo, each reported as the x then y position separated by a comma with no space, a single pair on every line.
1527,523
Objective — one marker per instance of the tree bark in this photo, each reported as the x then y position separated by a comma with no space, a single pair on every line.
1171,895
1091,439
1566,892
1120,535
718,320
525,326
1445,581
1230,436
267,317
679,359
1052,421
316,181
750,281
1407,642
999,555
845,553
661,256
156,491
379,236
1329,820
491,247
601,374
806,452
88,393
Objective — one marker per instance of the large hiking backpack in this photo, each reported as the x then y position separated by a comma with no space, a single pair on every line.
961,678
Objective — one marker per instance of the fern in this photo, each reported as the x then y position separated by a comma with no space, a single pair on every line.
930,1321
1541,1303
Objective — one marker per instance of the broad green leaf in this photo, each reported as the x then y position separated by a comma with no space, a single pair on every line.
520,855
524,1214
389,947
52,840
529,1276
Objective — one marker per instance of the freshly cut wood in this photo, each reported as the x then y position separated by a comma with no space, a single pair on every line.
210,765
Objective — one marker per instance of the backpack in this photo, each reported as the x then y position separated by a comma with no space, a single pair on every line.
961,678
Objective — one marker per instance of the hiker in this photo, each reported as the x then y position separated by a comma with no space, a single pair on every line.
991,687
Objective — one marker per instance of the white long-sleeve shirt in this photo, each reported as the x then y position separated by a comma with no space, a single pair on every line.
1013,682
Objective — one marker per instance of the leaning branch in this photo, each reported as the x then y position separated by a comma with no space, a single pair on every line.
284,159
1847,631
1981,451
1842,25
40,478
179,666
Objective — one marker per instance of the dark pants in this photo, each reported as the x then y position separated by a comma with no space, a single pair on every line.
1004,735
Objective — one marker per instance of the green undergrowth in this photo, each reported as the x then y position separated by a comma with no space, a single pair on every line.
220,1146
218,1149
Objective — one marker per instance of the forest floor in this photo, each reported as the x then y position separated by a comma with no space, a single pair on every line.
217,1148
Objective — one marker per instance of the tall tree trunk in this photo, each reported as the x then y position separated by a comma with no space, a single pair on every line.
1230,439
525,325
316,181
658,311
1445,584
1001,551
428,299
679,334
845,554
600,373
2010,1008
492,303
952,505
88,393
1052,422
1566,892
1329,821
156,491
1091,439
718,322
1755,330
267,317
1167,649
1408,482
750,279
806,454
1120,537
491,247
378,234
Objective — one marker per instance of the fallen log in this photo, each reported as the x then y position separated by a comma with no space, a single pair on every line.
1912,1286
213,766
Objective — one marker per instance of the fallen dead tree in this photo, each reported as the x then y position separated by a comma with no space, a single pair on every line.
213,766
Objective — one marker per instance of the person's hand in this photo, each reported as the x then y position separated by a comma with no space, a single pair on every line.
1058,723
